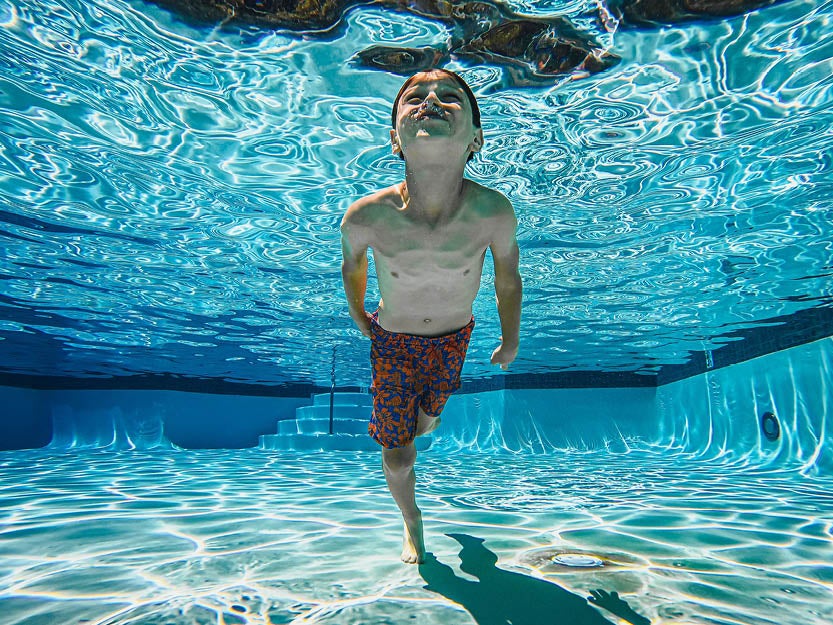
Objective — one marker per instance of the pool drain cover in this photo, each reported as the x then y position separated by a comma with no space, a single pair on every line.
578,560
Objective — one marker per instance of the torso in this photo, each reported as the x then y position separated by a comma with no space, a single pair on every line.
428,274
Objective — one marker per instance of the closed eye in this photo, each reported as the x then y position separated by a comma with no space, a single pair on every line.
449,96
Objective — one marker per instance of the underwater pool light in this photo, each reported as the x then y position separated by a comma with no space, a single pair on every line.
770,426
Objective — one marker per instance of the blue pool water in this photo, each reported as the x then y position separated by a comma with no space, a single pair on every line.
199,537
172,191
170,194
696,516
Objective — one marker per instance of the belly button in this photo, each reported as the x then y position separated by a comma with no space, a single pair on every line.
426,321
394,274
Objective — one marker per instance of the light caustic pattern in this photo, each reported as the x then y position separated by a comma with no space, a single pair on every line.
192,538
171,194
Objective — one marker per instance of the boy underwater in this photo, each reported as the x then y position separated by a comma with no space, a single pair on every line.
429,235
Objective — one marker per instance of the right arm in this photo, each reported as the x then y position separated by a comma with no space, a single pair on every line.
354,269
508,285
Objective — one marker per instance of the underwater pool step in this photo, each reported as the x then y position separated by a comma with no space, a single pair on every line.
341,425
309,430
328,442
340,411
343,399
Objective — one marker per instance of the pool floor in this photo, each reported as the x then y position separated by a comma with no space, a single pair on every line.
248,536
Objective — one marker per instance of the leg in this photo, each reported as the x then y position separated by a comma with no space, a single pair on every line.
445,364
398,465
426,424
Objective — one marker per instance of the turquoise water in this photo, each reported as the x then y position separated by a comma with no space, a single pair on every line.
171,192
205,537
170,195
696,517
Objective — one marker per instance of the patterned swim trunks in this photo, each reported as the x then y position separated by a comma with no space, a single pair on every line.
411,372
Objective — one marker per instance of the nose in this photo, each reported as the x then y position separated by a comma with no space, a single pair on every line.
431,99
431,103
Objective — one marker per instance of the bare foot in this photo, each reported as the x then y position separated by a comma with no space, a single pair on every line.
427,425
413,545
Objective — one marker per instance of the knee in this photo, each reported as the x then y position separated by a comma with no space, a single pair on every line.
399,460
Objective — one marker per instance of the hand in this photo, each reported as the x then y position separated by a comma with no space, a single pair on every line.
504,355
362,323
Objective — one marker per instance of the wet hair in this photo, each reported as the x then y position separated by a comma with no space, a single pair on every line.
475,110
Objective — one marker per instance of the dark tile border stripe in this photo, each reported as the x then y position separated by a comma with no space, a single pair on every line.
781,333
773,335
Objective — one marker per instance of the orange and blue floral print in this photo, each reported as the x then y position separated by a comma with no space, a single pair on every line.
411,372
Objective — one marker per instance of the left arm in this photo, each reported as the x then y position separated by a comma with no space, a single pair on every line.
508,285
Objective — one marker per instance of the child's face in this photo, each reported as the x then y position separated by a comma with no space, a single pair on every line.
434,106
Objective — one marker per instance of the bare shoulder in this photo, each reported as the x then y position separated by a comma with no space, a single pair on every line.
494,209
490,203
367,210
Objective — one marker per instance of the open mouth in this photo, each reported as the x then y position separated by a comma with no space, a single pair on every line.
430,115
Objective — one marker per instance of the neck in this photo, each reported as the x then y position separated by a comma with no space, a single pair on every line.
434,191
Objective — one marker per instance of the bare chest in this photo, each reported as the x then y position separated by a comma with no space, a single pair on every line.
415,248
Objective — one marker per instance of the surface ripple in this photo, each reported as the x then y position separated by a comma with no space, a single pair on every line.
160,180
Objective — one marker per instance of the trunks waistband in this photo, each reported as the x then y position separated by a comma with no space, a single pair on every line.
374,320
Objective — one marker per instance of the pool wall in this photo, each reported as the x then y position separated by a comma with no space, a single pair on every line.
720,412
25,418
123,419
711,414
536,420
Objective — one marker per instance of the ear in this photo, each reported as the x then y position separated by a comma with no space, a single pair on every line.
394,141
477,143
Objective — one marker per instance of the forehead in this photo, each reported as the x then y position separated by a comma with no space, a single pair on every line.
432,79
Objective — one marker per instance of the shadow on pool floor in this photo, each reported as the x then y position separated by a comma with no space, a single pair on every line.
500,597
